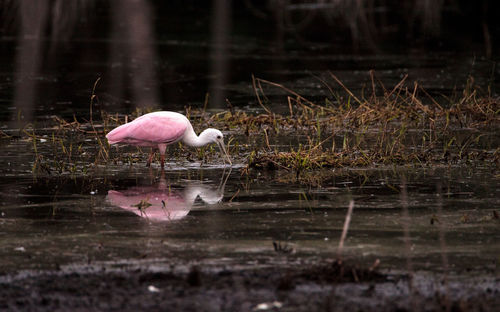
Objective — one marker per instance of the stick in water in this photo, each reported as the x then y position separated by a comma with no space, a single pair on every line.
344,230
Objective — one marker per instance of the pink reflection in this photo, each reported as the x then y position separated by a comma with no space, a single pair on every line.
150,203
162,203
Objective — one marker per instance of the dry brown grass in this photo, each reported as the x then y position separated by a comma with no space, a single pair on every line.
398,125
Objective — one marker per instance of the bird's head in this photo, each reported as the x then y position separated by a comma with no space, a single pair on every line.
215,136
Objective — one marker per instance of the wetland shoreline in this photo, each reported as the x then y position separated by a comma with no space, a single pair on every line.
284,287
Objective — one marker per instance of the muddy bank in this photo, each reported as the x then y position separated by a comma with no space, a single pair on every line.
153,285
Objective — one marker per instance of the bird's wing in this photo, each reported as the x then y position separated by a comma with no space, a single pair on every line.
150,130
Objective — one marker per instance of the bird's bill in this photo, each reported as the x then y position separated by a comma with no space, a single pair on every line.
223,151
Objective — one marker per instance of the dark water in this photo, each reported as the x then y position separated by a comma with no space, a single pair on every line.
128,212
68,94
191,54
212,213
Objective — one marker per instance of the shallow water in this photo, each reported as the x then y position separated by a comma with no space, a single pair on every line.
125,213
133,213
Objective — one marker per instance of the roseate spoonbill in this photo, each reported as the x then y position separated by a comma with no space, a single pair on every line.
160,129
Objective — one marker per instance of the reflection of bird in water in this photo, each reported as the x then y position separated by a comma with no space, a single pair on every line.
162,203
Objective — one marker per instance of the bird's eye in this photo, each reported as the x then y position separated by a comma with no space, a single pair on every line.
219,137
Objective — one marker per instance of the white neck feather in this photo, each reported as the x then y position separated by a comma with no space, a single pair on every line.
190,138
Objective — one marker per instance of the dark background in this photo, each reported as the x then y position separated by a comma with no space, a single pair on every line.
149,53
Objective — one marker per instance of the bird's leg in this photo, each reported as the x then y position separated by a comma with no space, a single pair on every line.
162,148
150,159
162,157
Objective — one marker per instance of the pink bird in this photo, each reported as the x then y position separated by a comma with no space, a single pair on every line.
160,129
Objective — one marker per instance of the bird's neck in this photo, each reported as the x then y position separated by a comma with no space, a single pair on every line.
190,138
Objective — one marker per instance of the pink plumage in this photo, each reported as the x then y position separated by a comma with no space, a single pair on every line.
150,130
165,205
160,129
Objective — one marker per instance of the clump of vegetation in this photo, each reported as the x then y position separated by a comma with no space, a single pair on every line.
382,126
402,125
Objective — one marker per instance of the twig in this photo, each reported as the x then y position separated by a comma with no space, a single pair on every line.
289,91
346,89
407,241
267,139
442,245
430,97
258,97
397,86
92,97
345,228
235,194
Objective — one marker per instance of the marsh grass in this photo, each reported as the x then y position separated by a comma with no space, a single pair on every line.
401,125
